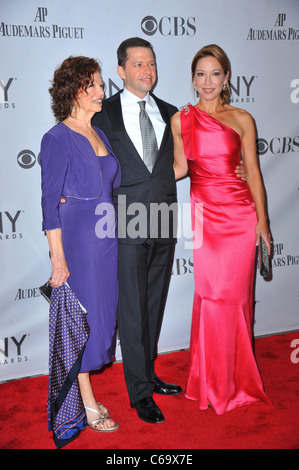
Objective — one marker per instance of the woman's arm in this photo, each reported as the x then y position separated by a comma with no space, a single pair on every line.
180,165
54,168
60,272
254,178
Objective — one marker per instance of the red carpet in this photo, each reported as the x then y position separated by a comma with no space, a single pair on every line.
23,417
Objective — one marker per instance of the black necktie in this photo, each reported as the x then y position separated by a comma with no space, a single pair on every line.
149,141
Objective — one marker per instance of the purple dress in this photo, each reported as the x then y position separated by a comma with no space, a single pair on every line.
70,169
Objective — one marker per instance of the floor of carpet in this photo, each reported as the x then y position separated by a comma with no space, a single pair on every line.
23,414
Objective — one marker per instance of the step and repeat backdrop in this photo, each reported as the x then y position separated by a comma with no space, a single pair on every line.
261,38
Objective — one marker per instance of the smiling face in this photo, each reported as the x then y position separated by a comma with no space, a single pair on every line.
139,72
90,100
209,78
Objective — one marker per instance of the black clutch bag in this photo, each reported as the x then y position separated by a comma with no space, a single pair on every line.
264,258
46,290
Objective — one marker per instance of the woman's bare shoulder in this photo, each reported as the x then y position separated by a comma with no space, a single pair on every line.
239,113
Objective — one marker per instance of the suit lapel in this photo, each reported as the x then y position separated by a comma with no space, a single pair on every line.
114,112
165,117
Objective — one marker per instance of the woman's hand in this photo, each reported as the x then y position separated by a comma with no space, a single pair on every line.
60,272
262,230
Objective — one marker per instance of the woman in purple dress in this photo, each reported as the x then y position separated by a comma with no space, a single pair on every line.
79,166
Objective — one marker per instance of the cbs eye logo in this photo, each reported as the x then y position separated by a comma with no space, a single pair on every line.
261,146
149,25
27,159
168,26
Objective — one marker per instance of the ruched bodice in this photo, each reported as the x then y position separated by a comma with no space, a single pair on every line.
213,151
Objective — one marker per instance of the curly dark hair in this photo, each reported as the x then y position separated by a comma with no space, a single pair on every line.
74,73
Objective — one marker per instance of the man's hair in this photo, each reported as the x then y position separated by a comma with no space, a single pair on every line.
122,51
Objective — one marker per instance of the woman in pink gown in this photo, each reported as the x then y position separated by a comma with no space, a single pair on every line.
228,216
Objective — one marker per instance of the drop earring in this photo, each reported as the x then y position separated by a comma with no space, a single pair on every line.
73,108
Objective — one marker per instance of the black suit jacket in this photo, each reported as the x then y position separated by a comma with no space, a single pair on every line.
155,191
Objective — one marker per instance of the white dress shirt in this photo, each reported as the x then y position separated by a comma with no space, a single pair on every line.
131,110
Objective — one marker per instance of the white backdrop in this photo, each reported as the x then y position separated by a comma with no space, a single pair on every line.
261,38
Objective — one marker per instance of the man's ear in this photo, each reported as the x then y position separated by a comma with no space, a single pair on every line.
120,71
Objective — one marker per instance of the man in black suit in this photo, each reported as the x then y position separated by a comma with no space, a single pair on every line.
146,235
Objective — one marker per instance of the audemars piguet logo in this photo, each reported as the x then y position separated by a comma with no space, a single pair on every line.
39,28
281,31
282,259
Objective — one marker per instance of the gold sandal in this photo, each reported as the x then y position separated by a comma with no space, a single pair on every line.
101,420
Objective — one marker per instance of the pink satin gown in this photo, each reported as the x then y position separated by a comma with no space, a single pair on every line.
222,369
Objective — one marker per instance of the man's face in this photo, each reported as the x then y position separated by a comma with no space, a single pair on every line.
139,73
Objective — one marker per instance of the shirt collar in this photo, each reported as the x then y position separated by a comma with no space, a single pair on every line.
129,97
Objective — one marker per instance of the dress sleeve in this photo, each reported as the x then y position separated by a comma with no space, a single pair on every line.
53,158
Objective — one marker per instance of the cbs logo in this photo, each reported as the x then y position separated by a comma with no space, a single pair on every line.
27,159
168,26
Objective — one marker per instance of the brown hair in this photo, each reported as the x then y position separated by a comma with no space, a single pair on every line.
219,54
74,73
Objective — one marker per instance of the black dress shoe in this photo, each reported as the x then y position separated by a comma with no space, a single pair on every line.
148,411
163,388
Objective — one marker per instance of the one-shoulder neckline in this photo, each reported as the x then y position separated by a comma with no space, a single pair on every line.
79,133
217,120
